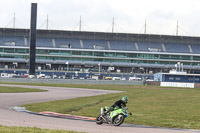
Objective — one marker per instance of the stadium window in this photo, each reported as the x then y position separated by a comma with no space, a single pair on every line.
41,57
144,56
8,50
164,57
8,56
109,54
141,61
87,59
171,78
18,56
132,55
163,62
190,79
122,55
100,60
178,78
64,52
186,57
175,56
53,51
20,50
41,51
126,61
98,53
187,63
196,57
151,62
76,52
156,56
196,79
76,59
1,49
87,53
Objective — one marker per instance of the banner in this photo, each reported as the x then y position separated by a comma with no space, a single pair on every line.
177,84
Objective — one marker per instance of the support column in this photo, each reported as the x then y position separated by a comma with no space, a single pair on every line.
32,42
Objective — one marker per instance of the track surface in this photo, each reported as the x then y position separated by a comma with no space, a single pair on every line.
9,117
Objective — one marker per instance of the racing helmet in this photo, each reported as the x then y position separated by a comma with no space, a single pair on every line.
125,99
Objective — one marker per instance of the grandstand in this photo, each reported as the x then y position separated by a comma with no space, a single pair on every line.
89,51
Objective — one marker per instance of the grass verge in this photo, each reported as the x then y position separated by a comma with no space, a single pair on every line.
150,105
5,89
5,129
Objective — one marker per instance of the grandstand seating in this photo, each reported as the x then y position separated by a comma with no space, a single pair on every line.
95,44
150,47
122,45
44,42
195,48
177,48
11,41
101,44
68,43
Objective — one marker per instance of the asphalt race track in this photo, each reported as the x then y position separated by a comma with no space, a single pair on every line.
9,117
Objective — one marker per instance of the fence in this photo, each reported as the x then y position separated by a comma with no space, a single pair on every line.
72,81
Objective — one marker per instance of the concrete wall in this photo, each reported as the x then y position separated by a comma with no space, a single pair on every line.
72,81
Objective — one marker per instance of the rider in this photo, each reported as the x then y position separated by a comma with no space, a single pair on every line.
120,104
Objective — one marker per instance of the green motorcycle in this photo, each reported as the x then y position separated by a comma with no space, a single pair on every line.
115,117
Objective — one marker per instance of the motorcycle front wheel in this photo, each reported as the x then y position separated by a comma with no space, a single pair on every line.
99,120
118,120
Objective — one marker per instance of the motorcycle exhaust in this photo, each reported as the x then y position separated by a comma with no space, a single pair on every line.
102,111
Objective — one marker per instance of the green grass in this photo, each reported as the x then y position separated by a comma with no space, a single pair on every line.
5,129
5,89
150,105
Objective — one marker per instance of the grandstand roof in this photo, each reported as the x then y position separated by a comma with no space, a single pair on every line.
101,36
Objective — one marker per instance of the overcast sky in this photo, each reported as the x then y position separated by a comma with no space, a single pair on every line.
97,15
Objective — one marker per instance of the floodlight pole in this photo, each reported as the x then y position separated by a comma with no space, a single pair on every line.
177,29
113,24
14,21
145,27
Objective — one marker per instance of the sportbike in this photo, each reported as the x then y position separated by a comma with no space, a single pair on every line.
115,117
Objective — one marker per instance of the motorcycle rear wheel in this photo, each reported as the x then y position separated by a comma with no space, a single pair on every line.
118,120
99,120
